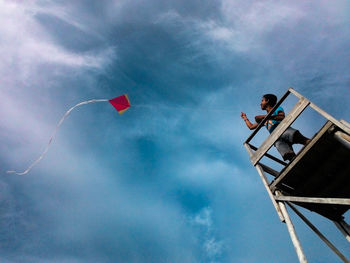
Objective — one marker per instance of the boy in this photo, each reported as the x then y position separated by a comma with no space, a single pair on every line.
288,138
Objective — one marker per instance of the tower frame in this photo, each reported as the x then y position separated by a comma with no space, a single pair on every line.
306,181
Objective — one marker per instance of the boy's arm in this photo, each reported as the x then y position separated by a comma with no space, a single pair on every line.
250,125
259,118
279,117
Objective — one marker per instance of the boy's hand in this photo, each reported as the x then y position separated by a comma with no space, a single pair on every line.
243,116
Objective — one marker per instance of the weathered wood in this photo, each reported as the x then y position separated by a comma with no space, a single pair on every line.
269,170
248,148
265,182
318,200
292,233
344,122
343,138
281,128
320,235
295,93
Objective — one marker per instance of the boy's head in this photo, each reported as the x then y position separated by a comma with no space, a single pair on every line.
268,100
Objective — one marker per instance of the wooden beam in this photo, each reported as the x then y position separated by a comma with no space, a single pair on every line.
269,170
281,128
317,200
266,184
345,123
248,148
343,138
293,234
295,93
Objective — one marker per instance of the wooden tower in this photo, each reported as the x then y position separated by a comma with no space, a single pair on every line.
318,178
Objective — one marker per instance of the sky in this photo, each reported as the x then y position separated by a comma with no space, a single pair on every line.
169,180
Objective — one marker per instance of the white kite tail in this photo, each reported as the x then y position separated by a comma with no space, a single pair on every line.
54,134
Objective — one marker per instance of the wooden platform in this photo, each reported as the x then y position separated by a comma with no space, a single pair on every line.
321,169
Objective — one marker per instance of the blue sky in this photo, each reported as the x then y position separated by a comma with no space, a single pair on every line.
169,181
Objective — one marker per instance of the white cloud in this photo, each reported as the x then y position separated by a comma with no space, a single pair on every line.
212,247
28,53
260,16
25,43
203,218
246,24
220,32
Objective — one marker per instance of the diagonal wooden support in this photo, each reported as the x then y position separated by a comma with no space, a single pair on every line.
320,235
269,170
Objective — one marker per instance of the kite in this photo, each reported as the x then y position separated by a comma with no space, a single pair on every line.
121,104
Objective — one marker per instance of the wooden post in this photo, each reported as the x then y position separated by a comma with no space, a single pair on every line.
293,234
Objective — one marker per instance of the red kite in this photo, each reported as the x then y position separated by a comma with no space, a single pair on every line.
121,103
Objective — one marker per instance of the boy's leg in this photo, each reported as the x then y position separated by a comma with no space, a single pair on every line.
285,149
284,144
300,139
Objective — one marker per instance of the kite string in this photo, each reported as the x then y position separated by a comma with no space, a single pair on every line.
54,133
182,108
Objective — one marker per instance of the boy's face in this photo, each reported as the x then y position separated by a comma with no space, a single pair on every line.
263,103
